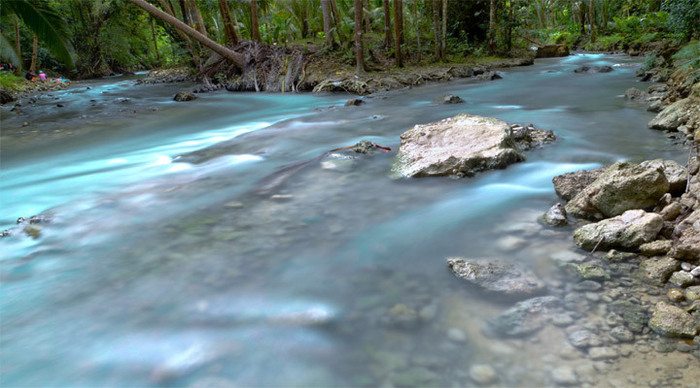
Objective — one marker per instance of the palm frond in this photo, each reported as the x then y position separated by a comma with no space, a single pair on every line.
7,50
47,24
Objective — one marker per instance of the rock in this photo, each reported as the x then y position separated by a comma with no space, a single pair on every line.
184,96
587,285
461,145
570,184
672,321
633,314
676,175
583,338
587,271
497,276
602,354
32,231
656,248
628,231
658,270
483,374
564,375
354,102
593,69
673,116
695,271
682,279
688,245
692,293
614,255
456,335
402,316
552,50
635,94
671,211
451,99
555,216
621,334
524,318
687,266
5,97
655,106
675,295
621,187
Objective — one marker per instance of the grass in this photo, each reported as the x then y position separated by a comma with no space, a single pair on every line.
11,82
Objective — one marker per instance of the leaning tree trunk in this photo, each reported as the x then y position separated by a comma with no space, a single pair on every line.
359,53
327,29
388,41
229,29
492,26
255,27
437,28
398,29
237,59
35,54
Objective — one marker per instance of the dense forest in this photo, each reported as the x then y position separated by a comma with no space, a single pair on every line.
93,38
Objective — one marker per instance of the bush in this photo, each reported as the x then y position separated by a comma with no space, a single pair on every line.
688,56
606,43
683,16
9,81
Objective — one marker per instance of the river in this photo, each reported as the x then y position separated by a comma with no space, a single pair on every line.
170,261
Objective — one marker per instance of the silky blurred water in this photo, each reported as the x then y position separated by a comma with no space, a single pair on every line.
157,271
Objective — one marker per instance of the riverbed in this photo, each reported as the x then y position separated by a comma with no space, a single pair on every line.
171,259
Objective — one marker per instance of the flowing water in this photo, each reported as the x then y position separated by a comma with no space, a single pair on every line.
185,250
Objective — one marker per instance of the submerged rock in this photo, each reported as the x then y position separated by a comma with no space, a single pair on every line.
593,69
525,317
497,276
451,99
628,231
354,102
462,145
184,96
672,321
621,187
570,184
555,216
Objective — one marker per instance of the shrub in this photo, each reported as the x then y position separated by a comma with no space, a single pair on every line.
688,56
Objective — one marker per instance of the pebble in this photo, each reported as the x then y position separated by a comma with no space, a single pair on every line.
675,295
682,278
695,272
456,335
587,285
602,354
621,334
592,296
482,374
564,375
687,266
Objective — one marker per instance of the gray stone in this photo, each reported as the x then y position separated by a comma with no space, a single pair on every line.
184,96
671,211
621,334
555,216
688,245
676,174
672,321
587,271
695,272
483,374
675,295
682,279
629,230
673,116
524,318
564,375
569,185
692,293
602,354
656,248
497,276
621,187
583,338
658,270
462,145
451,99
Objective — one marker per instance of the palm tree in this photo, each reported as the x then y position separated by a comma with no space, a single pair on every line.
46,25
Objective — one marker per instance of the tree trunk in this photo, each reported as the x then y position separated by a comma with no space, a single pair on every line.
388,41
18,46
359,53
398,29
229,29
591,18
336,20
185,12
155,41
237,59
365,17
582,13
326,12
255,28
35,54
443,43
437,28
196,16
416,20
492,26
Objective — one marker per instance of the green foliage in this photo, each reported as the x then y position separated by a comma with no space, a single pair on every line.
688,56
9,81
684,16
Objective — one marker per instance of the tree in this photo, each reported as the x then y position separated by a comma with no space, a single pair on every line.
227,20
437,30
255,27
388,41
44,22
398,29
591,18
327,20
237,59
359,50
492,26
443,42
35,54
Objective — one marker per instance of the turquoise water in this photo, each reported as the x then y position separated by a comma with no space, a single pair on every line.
157,271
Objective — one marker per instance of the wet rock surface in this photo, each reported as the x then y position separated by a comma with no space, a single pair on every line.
672,321
184,96
462,145
497,276
586,69
629,230
567,186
